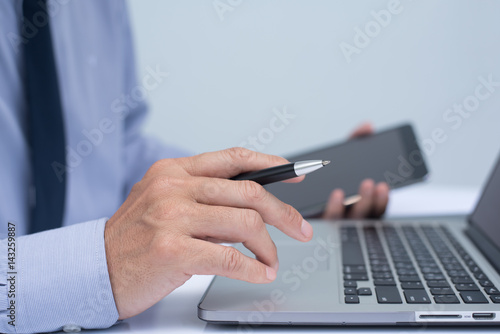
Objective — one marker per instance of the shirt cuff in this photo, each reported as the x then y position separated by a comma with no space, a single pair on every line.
62,280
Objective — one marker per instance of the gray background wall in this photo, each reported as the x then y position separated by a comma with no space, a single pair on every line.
230,67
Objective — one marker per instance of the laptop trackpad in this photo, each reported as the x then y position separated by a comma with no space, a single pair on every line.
303,257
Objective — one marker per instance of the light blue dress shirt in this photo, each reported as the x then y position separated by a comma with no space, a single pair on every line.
61,275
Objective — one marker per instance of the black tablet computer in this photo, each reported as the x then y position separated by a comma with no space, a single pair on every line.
392,156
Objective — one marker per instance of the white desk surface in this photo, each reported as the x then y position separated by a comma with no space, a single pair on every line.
177,313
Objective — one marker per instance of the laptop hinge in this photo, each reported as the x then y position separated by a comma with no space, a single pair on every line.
487,248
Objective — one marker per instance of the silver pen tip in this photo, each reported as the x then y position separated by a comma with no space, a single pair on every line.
326,162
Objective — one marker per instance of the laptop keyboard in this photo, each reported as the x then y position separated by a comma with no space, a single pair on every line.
412,274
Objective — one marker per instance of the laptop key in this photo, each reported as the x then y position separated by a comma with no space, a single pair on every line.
384,281
495,299
412,285
442,291
412,278
438,284
356,277
402,261
450,259
462,280
408,272
352,299
457,273
382,275
446,299
481,276
430,270
473,297
466,257
492,291
381,269
388,295
417,297
452,266
434,277
427,264
364,292
485,283
351,247
376,256
475,270
467,287
470,263
359,269
404,265
349,291
350,284
376,262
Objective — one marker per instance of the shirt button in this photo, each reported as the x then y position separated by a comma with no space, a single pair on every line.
72,328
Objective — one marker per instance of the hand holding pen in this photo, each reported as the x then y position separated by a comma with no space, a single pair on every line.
289,171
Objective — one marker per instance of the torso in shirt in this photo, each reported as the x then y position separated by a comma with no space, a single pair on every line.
91,45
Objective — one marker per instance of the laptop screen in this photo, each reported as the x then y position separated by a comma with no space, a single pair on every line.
486,215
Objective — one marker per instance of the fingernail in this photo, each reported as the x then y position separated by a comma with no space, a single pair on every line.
270,273
367,192
306,229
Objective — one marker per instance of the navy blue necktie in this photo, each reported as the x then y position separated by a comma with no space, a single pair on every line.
45,121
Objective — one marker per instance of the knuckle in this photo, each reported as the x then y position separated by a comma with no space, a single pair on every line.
239,153
189,164
237,156
160,209
232,260
290,214
158,166
163,182
215,214
166,247
177,210
136,188
253,221
211,188
252,191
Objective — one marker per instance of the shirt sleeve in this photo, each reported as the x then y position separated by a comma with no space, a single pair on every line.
59,278
141,151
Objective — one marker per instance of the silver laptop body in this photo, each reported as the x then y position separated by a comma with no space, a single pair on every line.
442,272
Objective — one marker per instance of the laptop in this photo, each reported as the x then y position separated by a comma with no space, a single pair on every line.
407,272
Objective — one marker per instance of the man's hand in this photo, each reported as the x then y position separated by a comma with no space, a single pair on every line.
374,197
165,231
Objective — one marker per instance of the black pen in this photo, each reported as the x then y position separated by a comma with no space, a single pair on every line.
283,172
